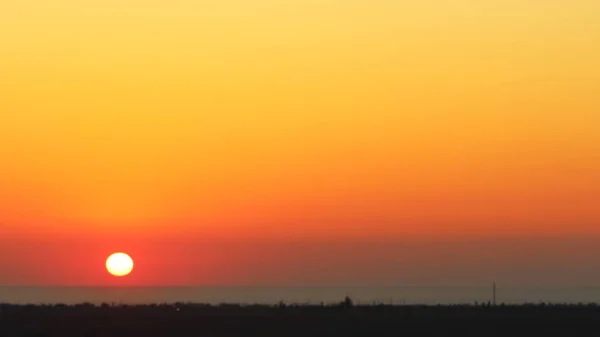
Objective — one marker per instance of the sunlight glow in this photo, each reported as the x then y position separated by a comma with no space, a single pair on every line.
119,264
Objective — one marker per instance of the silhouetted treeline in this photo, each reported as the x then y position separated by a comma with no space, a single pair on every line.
342,319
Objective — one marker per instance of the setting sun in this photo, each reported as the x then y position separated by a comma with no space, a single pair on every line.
119,264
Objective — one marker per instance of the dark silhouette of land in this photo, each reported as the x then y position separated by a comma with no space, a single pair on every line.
343,319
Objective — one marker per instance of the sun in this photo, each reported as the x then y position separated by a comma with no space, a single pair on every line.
119,264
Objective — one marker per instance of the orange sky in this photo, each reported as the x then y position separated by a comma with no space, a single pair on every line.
202,136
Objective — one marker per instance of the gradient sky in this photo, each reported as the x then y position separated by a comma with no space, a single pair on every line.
300,142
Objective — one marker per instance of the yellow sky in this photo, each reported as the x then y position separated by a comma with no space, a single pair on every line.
301,118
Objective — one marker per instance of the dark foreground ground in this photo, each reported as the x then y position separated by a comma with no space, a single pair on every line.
265,321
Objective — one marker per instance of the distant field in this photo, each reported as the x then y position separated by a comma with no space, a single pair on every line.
344,319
